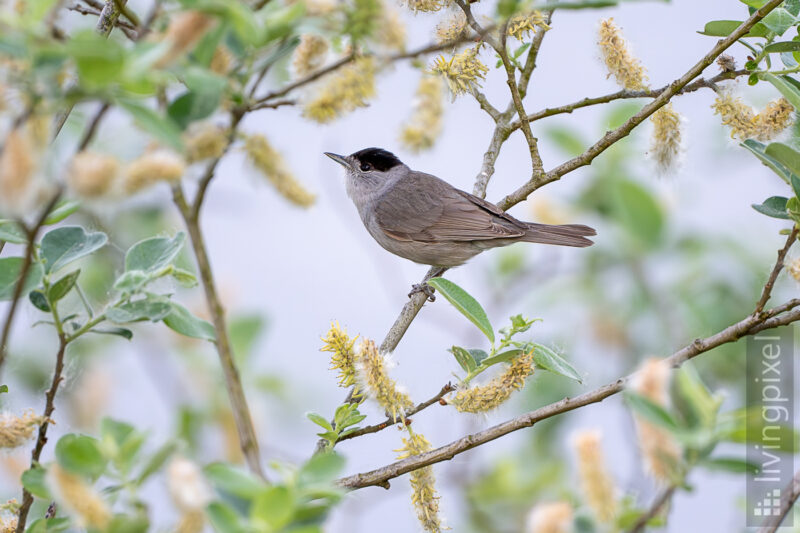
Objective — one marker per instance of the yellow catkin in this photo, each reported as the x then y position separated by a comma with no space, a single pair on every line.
425,6
78,499
8,524
153,167
92,175
17,166
482,398
619,61
16,430
425,123
463,72
191,522
746,124
392,33
186,485
522,25
343,355
374,379
347,89
221,61
184,31
550,517
794,269
423,484
596,483
309,55
660,451
451,29
667,143
271,163
204,141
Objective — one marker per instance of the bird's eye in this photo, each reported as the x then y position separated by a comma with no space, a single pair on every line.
366,167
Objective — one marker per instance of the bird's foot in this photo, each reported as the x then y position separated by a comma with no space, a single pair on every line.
425,289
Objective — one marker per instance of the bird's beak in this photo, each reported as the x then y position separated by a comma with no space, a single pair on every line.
342,160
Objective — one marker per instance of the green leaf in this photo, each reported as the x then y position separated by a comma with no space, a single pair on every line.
504,357
464,358
49,525
774,206
156,461
650,411
81,454
61,211
63,245
127,523
62,287
547,359
723,28
202,98
160,127
3,389
466,304
39,301
321,469
731,464
785,46
478,355
693,399
119,332
153,254
34,482
224,519
244,331
320,421
272,508
185,323
100,61
132,281
153,308
638,211
787,89
233,480
778,20
12,232
10,273
786,155
184,277
758,149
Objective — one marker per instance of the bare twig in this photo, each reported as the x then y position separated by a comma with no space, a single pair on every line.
83,10
767,291
662,99
662,500
788,499
41,439
108,17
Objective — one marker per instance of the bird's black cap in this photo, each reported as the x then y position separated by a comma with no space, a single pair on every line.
378,158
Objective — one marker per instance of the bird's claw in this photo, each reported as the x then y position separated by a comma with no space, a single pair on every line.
425,289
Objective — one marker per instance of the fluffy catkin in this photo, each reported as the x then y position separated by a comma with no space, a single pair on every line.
451,29
745,123
425,6
423,484
16,430
596,482
347,89
184,31
375,381
17,167
343,354
392,33
667,143
463,72
78,499
309,55
8,524
92,175
660,451
484,398
271,163
204,141
521,24
187,487
153,167
550,517
619,61
425,123
794,269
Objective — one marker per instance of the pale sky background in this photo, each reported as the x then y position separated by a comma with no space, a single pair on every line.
305,269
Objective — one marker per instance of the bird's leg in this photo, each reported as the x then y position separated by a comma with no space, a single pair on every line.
424,287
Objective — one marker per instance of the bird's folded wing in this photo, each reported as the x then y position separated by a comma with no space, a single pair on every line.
427,209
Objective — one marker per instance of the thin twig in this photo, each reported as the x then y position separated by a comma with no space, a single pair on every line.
391,421
788,499
83,10
41,439
662,500
91,129
662,99
767,291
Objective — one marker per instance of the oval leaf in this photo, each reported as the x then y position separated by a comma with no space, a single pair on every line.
464,358
153,254
11,231
66,244
153,309
61,211
466,304
62,287
547,359
650,411
774,206
81,454
182,321
10,272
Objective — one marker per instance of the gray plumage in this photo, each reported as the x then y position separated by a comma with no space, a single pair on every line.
425,219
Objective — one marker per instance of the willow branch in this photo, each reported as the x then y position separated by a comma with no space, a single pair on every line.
662,99
767,291
788,499
662,500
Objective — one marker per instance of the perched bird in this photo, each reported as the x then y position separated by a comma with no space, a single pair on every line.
425,219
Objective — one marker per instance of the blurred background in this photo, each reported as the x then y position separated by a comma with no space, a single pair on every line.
676,257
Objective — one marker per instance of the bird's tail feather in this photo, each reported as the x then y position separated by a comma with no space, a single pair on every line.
563,235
